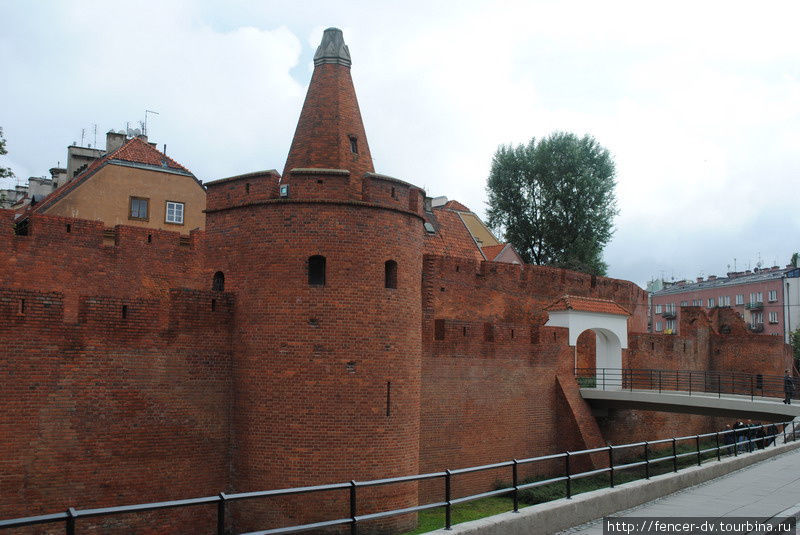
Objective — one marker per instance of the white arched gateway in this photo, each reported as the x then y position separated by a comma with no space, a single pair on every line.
604,317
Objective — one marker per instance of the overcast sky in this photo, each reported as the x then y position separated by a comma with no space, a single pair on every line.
699,102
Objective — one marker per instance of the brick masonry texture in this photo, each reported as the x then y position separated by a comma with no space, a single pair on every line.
277,383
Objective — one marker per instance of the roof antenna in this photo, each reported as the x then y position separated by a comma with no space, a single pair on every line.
144,126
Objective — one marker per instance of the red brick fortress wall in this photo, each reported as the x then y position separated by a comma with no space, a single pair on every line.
490,366
116,408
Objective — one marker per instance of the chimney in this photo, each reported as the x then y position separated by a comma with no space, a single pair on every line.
699,279
114,141
712,277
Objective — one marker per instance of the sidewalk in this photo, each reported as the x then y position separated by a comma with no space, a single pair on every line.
769,488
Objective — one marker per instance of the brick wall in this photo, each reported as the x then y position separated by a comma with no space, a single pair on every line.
117,408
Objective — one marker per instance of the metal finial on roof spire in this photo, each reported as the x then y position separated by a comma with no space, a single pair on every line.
332,49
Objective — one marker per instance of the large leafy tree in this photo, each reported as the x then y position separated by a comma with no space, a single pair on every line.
553,200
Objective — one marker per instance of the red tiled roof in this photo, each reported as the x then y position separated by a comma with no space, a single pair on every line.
451,237
134,150
587,304
455,205
491,251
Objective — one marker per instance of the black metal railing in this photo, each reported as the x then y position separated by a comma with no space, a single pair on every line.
689,381
652,453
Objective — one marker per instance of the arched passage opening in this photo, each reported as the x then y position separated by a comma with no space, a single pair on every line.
604,320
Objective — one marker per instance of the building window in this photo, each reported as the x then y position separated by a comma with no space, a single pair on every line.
725,301
218,283
773,317
671,326
758,317
684,303
773,295
438,329
175,213
354,144
739,299
710,302
658,327
658,309
760,297
316,270
139,208
390,274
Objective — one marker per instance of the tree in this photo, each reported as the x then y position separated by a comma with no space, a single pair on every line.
553,200
5,172
794,341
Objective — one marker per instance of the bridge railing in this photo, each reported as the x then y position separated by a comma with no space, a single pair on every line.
689,381
560,467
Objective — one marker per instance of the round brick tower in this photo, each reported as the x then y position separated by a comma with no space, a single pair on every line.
325,263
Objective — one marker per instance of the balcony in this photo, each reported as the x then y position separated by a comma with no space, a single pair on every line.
755,305
668,314
757,327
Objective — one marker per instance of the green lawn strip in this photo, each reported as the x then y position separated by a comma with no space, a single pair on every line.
434,519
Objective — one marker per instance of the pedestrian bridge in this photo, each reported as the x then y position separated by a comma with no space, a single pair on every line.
735,395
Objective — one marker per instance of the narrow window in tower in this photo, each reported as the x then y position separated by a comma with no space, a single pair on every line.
218,283
353,144
21,307
390,274
124,311
316,270
438,329
213,305
388,398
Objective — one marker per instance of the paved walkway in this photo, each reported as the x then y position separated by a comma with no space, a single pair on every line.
769,488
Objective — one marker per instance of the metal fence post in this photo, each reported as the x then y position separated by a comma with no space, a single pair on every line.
719,386
71,516
604,378
697,438
719,456
751,388
353,522
515,481
674,456
221,514
566,473
611,464
659,381
448,523
646,460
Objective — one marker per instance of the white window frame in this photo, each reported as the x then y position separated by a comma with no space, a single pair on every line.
773,317
658,309
710,302
671,325
739,299
658,327
760,297
772,296
178,209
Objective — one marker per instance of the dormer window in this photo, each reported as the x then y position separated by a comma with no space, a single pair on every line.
353,144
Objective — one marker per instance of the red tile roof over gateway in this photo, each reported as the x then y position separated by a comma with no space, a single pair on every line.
587,304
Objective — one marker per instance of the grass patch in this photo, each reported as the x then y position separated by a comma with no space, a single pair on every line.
433,519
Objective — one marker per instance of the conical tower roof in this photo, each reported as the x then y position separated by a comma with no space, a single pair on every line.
330,133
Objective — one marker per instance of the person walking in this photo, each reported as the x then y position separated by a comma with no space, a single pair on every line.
788,387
